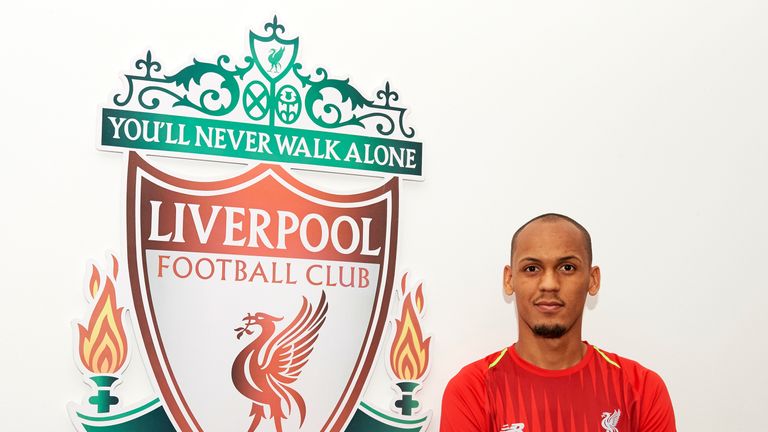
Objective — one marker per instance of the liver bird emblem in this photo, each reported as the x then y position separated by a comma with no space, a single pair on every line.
265,369
274,59
610,420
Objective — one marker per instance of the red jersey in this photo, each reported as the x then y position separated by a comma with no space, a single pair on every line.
603,392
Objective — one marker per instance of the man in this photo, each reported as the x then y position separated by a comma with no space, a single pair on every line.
551,380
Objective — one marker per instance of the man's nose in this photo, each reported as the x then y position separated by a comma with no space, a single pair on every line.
549,281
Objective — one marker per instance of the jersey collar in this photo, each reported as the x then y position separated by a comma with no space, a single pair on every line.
530,367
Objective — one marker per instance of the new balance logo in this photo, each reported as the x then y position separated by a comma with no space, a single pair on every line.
513,427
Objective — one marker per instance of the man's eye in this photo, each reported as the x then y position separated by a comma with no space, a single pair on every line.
568,267
529,268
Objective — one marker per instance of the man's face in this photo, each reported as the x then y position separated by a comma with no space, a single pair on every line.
550,275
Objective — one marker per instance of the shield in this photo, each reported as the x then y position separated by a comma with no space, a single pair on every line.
273,55
260,301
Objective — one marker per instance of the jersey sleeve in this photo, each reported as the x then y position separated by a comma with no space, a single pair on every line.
656,413
465,407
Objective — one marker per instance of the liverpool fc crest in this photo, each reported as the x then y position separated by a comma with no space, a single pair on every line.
260,241
259,303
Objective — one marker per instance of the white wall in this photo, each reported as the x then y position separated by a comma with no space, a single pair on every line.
646,121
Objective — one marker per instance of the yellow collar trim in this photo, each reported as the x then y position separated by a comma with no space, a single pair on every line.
498,359
606,357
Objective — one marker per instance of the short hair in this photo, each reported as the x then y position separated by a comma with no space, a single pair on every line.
552,217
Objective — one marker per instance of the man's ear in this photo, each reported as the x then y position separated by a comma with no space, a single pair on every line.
594,280
508,288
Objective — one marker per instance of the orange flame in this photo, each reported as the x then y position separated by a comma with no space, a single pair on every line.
409,355
419,300
103,345
95,282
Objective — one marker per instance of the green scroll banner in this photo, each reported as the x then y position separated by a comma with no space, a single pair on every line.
227,140
148,417
151,417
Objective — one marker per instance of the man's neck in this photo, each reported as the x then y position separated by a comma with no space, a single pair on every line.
551,353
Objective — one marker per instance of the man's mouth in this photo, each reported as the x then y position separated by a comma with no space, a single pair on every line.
549,306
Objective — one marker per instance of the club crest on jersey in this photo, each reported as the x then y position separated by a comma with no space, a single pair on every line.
610,420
